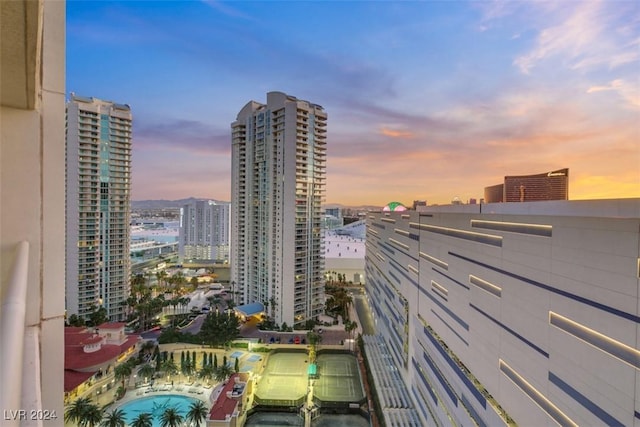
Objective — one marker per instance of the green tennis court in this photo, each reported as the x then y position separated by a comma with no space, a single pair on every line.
338,379
284,379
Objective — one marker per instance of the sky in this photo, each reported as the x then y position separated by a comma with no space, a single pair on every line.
426,100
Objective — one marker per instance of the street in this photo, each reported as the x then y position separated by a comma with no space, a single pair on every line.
330,335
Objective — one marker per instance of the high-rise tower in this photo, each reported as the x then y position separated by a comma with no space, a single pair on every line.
98,184
204,231
277,187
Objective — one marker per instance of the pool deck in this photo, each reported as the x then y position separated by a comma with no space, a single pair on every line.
196,391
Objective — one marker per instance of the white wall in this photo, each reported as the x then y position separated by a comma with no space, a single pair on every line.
32,169
585,269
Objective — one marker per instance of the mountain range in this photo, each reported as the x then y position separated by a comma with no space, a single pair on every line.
176,204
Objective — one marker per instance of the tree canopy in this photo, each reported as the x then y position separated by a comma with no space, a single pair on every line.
219,328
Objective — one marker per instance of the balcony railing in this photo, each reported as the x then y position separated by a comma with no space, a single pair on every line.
16,337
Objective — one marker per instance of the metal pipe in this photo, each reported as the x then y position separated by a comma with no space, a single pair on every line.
14,307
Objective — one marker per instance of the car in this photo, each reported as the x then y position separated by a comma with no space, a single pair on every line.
296,340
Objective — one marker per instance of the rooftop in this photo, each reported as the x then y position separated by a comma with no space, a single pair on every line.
75,357
342,246
250,309
228,400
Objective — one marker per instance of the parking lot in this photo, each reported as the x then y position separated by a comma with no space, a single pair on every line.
329,336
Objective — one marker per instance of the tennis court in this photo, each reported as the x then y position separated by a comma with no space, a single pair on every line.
338,379
254,358
284,379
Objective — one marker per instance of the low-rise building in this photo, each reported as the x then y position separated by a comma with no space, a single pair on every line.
91,355
230,408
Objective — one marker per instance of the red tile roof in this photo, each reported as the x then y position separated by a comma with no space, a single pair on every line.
92,340
73,379
75,336
112,325
76,359
225,405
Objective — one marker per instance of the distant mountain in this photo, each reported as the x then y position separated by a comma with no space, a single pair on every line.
176,204
166,204
355,208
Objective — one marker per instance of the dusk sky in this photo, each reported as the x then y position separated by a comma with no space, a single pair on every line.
425,100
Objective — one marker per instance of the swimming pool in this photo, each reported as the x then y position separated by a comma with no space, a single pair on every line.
156,405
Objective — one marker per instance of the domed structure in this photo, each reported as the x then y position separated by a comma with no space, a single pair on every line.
394,207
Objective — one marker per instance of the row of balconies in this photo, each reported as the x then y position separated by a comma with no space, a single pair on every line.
87,156
122,126
87,124
88,188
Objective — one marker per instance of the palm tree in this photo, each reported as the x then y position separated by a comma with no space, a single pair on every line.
174,303
92,416
148,346
171,418
169,367
314,338
214,301
187,367
146,371
349,327
223,372
114,418
142,420
207,372
161,277
138,287
184,302
197,413
76,410
122,372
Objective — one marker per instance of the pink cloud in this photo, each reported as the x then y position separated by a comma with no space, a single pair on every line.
396,133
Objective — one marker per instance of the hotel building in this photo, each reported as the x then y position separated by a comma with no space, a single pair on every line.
98,213
204,231
509,313
277,187
552,185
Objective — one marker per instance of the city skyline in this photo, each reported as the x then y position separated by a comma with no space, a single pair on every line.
426,100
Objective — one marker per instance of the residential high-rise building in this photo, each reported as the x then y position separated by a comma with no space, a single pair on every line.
277,187
204,231
507,313
98,184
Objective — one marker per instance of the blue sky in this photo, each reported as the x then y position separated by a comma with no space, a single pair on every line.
426,100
